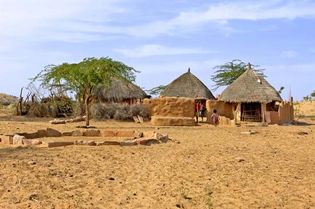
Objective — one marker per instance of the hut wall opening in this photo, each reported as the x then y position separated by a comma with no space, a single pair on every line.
251,112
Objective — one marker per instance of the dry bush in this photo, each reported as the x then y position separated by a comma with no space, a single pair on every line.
123,112
36,109
103,111
139,109
49,107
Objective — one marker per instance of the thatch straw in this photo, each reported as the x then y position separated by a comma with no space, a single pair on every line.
120,90
250,87
187,85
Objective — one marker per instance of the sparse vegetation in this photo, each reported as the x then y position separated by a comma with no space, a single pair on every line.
117,111
84,77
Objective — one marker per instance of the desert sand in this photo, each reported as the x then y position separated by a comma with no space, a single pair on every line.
211,167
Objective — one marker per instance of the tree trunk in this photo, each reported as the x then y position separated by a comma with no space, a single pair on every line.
87,111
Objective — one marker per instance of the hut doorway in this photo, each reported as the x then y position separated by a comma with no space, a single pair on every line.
251,112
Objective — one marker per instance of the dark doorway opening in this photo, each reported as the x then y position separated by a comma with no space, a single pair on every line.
251,112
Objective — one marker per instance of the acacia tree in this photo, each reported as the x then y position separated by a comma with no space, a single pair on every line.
83,78
227,73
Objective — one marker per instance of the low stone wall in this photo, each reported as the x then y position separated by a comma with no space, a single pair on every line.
133,138
171,111
172,121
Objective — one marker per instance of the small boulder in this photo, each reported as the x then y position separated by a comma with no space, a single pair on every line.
18,140
161,137
92,132
128,143
108,143
67,133
53,133
42,133
91,143
36,142
57,121
77,133
27,142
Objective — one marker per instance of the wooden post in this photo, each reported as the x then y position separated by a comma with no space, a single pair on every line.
263,112
237,113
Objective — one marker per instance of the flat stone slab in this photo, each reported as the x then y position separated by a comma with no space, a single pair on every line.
59,144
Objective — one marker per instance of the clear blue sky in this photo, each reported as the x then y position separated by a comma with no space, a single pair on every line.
160,38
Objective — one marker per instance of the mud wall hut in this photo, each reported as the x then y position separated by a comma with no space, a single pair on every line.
189,86
252,98
177,102
121,91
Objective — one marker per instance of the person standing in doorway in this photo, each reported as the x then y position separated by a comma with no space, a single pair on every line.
202,110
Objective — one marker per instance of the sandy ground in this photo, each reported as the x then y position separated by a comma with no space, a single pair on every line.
212,167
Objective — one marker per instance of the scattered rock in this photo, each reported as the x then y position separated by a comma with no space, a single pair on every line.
57,121
111,179
302,133
18,140
250,132
42,133
240,159
128,143
77,133
91,143
80,142
53,133
67,133
161,137
92,132
33,197
147,141
36,142
108,143
59,144
179,205
138,134
32,162
6,139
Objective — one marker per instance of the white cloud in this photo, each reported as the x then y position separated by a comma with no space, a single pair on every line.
288,54
220,14
39,19
159,50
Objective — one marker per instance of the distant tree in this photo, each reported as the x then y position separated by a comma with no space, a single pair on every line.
156,90
227,73
313,94
83,78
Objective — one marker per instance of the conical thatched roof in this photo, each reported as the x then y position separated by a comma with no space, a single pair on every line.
187,85
250,87
120,90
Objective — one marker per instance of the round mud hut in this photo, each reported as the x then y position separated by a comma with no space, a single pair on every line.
251,96
187,85
121,91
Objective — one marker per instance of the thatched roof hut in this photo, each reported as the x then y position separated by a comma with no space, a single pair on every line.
120,90
187,85
250,87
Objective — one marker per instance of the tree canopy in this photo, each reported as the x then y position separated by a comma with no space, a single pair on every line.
83,78
156,90
227,73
